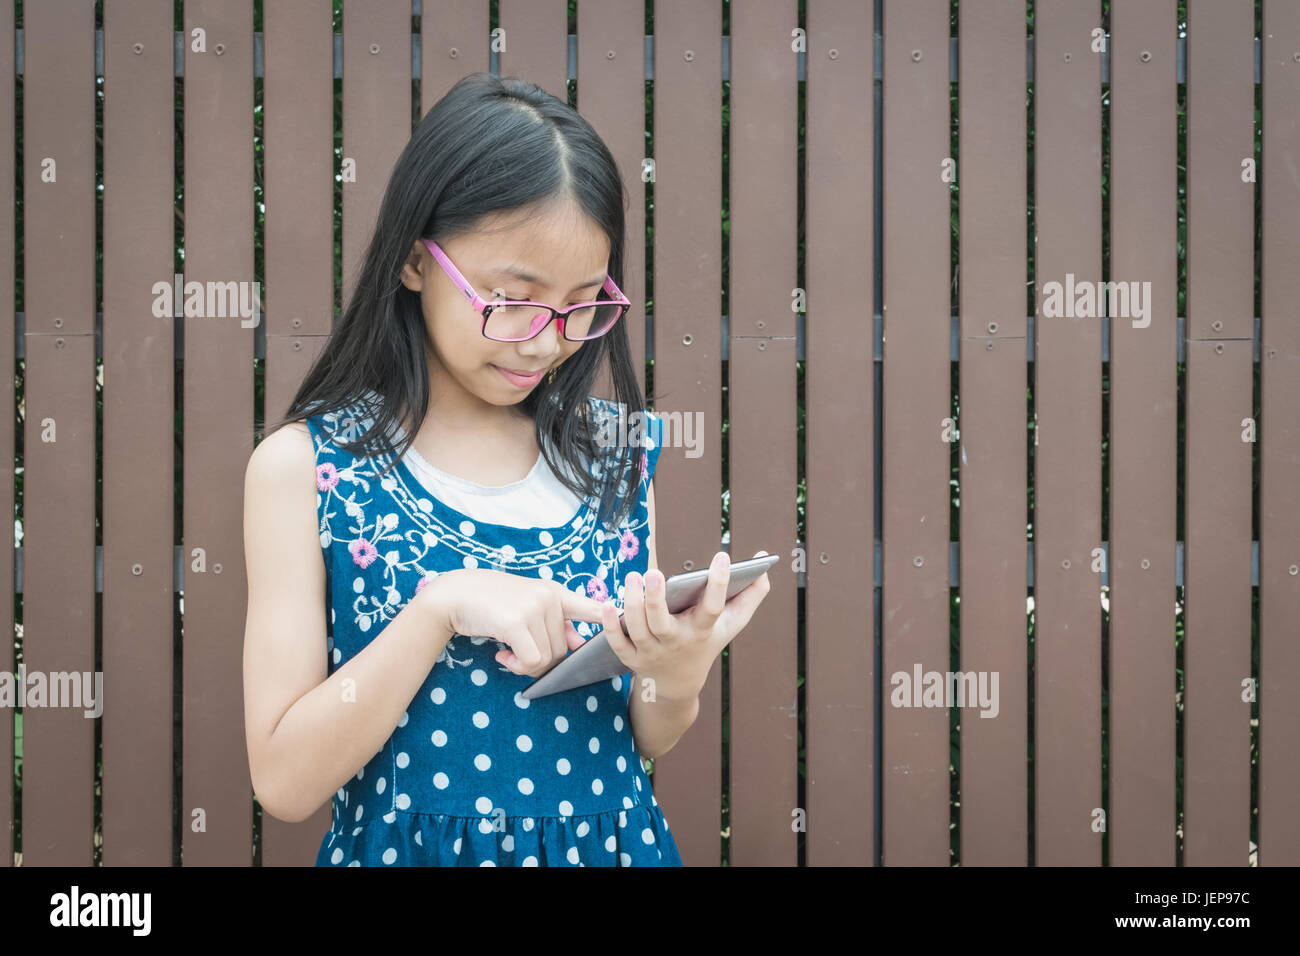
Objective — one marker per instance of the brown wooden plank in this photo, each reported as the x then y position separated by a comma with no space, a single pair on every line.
839,392
688,375
1220,365
298,122
216,808
454,41
994,788
376,116
59,433
1144,432
139,442
762,418
8,172
914,598
1067,452
535,34
1279,509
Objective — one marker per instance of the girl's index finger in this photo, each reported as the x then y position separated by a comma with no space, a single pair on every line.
577,607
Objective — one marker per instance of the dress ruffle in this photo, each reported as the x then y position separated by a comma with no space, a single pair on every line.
637,836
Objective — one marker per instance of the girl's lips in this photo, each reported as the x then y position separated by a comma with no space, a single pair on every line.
520,380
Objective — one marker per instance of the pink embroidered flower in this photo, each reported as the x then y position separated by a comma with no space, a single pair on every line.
596,590
645,466
426,580
327,477
628,545
363,552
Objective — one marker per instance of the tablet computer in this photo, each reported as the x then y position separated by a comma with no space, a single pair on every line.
596,661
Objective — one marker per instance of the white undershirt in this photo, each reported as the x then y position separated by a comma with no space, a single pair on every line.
538,500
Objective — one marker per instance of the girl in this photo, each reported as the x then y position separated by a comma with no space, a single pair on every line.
473,523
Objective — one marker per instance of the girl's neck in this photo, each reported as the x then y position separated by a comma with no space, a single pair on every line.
487,450
461,417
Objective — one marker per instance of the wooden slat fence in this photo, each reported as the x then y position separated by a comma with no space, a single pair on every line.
848,237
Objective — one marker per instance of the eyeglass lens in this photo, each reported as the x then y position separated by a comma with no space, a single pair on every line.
518,322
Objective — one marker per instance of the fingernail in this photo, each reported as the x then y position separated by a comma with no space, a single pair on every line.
653,583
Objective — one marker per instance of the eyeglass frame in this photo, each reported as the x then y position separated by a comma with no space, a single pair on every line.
483,306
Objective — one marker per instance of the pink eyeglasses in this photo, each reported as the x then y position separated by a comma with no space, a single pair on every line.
507,320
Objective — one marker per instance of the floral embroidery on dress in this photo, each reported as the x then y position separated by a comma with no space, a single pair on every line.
374,542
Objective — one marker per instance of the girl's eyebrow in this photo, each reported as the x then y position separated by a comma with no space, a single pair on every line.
523,275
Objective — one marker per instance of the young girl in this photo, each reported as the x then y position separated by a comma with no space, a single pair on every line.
473,522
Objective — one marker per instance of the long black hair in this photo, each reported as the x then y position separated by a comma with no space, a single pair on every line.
491,145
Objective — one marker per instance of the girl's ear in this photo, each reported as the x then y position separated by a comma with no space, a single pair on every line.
411,275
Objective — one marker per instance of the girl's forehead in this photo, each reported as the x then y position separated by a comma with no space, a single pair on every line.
562,232
538,258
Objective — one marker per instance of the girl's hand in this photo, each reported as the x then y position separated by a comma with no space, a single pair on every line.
677,650
531,616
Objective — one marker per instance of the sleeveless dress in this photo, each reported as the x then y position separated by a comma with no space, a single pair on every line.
474,774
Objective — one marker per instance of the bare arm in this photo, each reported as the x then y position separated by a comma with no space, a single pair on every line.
657,725
308,731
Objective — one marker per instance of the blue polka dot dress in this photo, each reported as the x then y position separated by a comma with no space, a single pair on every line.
474,774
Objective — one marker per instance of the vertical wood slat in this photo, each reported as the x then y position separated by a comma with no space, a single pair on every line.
762,419
536,34
1143,435
7,474
59,433
1219,391
139,442
1279,507
611,96
298,124
376,117
454,42
916,401
992,170
1067,453
216,787
840,409
688,377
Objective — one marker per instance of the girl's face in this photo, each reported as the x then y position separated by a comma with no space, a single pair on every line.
566,254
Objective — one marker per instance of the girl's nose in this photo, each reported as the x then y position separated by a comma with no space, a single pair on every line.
545,342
